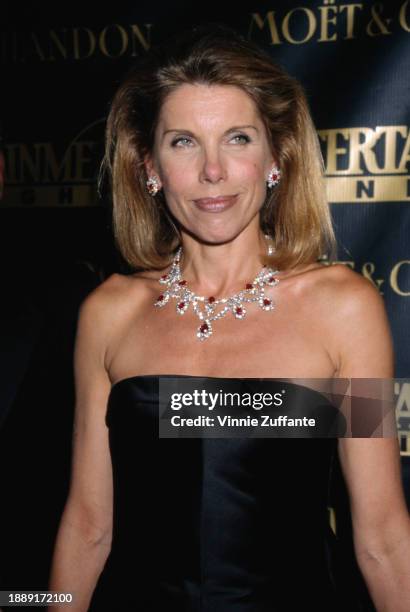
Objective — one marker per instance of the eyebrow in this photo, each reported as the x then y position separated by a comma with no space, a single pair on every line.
232,129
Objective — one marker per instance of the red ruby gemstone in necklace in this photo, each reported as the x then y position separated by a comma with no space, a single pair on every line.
249,286
182,282
211,299
238,310
266,301
181,305
204,327
160,297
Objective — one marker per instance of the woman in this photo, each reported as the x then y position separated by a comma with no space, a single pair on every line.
214,158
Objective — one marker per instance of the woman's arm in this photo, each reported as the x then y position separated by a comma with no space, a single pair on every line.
381,524
84,536
371,467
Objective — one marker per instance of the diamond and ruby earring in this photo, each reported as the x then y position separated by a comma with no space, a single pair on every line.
274,177
153,185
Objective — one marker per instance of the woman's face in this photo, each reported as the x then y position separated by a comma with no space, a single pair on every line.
211,143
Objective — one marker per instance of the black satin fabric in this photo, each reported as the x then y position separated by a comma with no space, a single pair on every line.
213,525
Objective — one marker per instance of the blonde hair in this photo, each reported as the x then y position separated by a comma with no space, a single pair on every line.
296,212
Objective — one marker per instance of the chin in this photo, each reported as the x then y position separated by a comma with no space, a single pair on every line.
215,237
220,232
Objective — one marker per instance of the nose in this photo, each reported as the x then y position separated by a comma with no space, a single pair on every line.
212,167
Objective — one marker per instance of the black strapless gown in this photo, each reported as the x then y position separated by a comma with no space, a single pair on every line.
214,525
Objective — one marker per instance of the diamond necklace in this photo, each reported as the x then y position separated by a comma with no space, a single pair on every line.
178,289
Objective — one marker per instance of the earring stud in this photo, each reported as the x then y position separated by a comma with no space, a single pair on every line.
274,177
153,185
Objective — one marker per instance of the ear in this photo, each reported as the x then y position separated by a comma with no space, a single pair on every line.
150,168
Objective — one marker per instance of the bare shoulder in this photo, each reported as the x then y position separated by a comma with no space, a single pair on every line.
113,295
348,293
337,287
114,306
99,304
347,312
107,308
355,322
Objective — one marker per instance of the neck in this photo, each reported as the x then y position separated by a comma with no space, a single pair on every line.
222,269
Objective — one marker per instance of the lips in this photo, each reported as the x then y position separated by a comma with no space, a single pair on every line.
218,204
